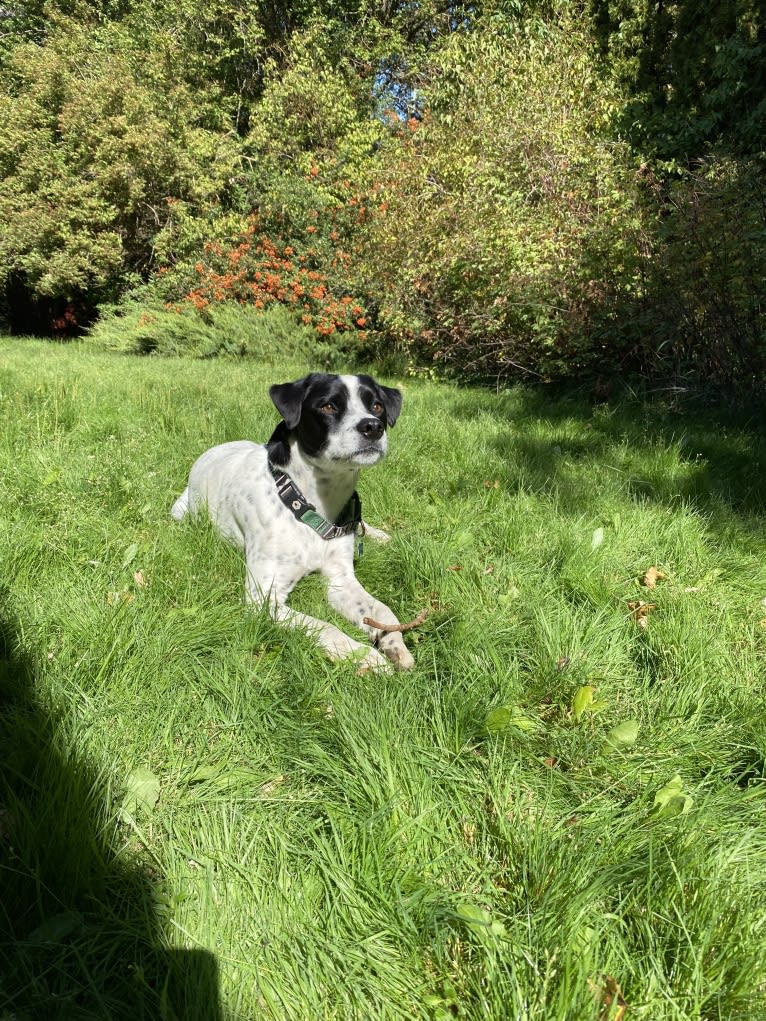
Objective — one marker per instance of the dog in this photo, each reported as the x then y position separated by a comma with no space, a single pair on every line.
291,506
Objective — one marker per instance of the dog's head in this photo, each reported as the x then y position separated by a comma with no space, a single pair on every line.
338,418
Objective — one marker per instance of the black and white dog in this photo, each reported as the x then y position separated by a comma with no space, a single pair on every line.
291,505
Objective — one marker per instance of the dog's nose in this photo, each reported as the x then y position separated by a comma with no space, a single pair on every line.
370,428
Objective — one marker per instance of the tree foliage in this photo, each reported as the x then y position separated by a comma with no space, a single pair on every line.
95,161
500,188
695,71
508,219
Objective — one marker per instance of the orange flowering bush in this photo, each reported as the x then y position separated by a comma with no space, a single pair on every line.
296,248
259,271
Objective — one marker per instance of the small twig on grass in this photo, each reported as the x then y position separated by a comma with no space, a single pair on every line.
388,628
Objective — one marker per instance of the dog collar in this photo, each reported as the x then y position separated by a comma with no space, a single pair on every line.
350,519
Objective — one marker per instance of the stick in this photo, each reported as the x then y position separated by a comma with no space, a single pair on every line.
388,628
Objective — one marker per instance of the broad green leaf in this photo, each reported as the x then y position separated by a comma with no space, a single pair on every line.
478,920
525,723
201,774
583,700
504,716
624,735
472,915
498,719
130,554
57,928
141,792
670,800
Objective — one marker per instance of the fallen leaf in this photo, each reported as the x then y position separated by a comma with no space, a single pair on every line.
563,662
139,579
624,735
582,699
608,995
455,567
651,576
670,799
504,716
478,920
551,762
597,538
492,483
142,791
130,554
640,611
57,928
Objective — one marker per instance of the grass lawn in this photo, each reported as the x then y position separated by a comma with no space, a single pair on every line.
560,814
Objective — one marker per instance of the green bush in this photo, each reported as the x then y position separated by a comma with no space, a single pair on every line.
701,314
98,154
508,219
223,330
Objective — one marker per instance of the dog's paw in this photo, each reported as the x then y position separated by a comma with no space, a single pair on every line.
401,657
372,660
376,534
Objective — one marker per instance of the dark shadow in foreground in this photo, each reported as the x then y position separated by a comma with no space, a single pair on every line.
79,935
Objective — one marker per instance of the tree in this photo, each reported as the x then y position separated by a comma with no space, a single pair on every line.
96,157
695,71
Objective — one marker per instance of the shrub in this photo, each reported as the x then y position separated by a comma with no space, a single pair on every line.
97,154
701,313
507,219
223,330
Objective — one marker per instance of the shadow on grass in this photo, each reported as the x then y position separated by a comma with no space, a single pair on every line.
711,456
79,930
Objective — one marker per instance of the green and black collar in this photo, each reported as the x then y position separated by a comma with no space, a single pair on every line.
350,520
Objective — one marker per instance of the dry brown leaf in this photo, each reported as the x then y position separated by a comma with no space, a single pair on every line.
608,994
640,611
271,785
492,483
651,576
455,567
139,579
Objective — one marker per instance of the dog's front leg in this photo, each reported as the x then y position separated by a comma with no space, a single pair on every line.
346,595
267,585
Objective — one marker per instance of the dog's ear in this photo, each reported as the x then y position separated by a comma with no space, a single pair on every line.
392,402
288,400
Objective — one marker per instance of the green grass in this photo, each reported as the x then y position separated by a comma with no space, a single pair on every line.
452,843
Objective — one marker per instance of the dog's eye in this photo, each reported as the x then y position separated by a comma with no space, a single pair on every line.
377,408
327,408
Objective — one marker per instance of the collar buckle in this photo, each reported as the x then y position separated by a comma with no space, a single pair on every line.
350,518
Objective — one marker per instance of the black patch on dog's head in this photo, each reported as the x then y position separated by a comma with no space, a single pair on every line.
371,391
300,405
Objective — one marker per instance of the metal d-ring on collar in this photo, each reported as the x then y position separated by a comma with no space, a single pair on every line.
350,519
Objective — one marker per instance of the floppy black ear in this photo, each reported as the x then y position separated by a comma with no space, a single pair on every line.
288,400
392,402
